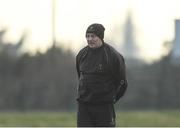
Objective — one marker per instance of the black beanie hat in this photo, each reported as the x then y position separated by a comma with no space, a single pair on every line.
97,29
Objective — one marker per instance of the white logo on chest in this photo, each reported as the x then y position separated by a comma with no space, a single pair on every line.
100,66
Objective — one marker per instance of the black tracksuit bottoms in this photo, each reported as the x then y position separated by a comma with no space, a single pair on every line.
95,115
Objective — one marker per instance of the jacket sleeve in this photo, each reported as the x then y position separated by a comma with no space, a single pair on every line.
81,55
77,65
119,75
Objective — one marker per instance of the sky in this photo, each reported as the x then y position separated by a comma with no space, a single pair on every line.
153,22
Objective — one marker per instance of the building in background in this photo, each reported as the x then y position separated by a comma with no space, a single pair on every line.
130,49
175,53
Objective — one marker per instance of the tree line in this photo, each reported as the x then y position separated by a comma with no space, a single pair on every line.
48,81
44,81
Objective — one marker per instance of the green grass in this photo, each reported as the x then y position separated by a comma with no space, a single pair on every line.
123,118
148,118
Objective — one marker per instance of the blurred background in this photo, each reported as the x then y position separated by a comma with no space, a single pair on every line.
39,40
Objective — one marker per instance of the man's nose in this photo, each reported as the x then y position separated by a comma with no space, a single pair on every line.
89,38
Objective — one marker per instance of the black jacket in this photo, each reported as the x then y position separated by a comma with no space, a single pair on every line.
101,73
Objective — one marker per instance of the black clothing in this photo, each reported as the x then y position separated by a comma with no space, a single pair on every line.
95,115
102,82
101,73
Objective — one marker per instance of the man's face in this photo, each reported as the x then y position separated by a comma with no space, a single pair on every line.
93,40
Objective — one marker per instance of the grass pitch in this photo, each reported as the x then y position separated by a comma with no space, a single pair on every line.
123,118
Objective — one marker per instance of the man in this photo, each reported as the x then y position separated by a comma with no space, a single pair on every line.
102,80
